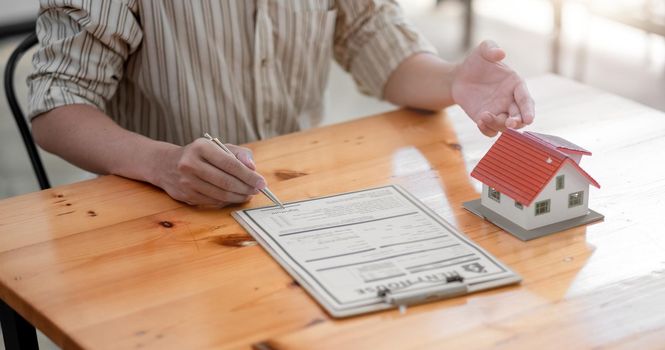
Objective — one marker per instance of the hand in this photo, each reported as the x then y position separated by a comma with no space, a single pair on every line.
203,174
491,93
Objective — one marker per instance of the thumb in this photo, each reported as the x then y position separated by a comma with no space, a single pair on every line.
243,154
491,51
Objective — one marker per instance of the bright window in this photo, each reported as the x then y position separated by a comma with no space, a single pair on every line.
560,182
494,194
575,199
542,207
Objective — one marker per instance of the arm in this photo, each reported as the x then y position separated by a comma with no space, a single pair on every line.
66,102
389,59
83,135
491,93
422,81
196,174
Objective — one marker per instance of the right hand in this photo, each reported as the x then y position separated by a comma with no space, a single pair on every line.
492,94
203,174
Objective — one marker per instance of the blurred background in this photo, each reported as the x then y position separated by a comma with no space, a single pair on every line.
615,45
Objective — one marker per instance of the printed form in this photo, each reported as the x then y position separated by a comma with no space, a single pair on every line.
345,248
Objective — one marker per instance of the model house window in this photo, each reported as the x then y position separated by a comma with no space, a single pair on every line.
543,207
560,182
575,199
494,194
519,205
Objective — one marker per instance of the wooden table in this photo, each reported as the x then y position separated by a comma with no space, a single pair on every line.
116,264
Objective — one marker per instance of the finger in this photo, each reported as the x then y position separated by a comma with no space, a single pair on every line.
229,164
490,51
243,154
525,103
483,121
485,130
223,181
490,121
498,121
219,195
193,197
515,119
187,195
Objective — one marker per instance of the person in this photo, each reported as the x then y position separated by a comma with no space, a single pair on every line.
129,87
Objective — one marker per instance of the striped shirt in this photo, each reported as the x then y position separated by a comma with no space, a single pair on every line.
242,69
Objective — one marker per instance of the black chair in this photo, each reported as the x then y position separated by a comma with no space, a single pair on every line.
22,124
16,331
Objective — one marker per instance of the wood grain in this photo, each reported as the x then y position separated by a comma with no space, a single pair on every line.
116,264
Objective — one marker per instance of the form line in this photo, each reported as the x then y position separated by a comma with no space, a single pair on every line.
349,224
385,258
338,255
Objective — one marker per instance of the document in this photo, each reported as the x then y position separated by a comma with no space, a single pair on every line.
346,248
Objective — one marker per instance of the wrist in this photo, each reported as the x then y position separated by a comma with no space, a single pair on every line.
157,162
143,159
450,80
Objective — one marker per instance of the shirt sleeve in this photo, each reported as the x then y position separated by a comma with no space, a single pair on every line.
83,48
372,38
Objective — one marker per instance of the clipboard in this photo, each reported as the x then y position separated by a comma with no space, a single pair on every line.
371,250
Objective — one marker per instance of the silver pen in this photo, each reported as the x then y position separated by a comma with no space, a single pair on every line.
265,191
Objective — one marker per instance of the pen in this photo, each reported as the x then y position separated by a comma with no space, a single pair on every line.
454,285
447,290
265,191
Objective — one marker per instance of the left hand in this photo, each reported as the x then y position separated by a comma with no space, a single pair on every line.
491,93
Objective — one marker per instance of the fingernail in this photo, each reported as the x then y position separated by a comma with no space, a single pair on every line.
250,160
261,184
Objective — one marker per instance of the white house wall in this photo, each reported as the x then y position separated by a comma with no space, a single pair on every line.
574,156
506,207
559,210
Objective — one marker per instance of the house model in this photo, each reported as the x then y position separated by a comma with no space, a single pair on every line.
533,185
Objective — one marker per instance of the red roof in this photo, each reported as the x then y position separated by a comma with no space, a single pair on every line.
558,143
519,165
